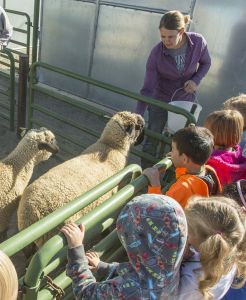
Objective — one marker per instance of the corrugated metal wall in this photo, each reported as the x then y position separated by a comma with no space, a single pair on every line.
111,40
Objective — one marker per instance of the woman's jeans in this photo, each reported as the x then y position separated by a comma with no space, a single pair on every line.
156,122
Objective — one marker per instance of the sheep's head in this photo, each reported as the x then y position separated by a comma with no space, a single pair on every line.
123,130
41,142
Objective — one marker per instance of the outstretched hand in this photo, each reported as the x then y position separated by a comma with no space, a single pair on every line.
153,176
74,234
93,260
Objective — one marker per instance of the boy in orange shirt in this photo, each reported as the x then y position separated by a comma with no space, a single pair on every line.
191,148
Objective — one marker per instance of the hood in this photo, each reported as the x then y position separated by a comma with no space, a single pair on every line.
153,231
230,166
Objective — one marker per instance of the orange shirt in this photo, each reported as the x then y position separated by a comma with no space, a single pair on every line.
186,185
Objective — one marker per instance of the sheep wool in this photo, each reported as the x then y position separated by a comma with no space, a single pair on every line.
17,168
74,177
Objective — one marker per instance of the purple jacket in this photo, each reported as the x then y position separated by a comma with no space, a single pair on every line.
162,77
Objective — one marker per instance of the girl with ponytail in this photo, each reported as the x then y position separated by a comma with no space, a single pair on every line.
216,235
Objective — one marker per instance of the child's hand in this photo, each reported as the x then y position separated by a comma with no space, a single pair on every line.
93,260
74,234
153,176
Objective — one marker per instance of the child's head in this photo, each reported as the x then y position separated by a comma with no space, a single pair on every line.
236,191
153,230
226,127
8,278
191,143
216,231
238,103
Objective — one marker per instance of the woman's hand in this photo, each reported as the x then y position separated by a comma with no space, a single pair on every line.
153,176
74,234
190,86
93,260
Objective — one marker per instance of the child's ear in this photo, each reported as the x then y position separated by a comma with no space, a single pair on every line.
185,159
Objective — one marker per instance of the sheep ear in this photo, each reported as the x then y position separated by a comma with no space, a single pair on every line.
23,131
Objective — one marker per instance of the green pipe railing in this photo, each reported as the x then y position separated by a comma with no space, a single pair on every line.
92,221
35,231
10,93
26,31
35,30
33,86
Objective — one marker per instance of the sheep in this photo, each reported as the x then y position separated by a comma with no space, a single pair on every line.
74,177
17,168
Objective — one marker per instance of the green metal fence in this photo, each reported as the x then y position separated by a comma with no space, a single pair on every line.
35,87
52,255
25,46
7,102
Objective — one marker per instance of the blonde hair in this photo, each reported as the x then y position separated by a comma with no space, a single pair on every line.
8,278
226,127
238,103
174,20
218,231
241,253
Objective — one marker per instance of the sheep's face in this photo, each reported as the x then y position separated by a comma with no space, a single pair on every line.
125,128
42,142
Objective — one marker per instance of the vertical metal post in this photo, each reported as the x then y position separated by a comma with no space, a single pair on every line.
22,92
35,30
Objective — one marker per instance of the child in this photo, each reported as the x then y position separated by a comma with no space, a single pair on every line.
153,231
216,234
227,158
191,148
237,192
238,103
8,278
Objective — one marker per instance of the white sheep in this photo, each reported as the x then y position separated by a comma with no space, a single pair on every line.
17,168
74,177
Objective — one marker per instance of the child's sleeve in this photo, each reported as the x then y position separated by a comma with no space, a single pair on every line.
108,270
84,283
180,191
154,190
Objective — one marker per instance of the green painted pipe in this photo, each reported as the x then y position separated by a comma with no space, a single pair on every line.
92,221
30,234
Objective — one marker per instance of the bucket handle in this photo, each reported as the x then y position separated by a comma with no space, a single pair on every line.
179,89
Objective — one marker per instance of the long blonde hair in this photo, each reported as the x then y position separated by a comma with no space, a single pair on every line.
218,232
8,278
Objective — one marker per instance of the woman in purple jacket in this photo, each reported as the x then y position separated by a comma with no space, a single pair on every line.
180,60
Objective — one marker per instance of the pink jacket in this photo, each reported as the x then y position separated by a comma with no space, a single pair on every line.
230,166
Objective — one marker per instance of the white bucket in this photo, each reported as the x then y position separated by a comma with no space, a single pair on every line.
176,121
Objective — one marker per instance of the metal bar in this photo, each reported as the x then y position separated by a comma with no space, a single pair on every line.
91,220
20,30
64,120
16,51
93,44
35,30
112,88
18,43
68,99
22,92
30,234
